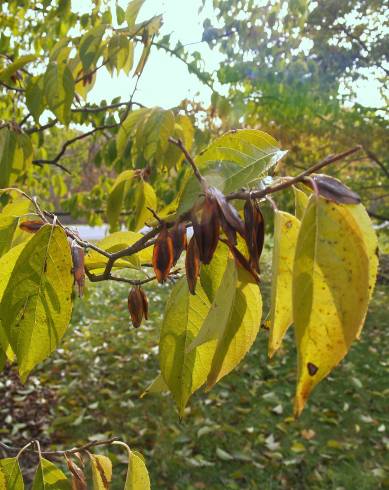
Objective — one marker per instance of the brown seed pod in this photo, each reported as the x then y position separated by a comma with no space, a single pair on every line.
78,257
255,232
178,234
137,306
229,213
163,255
206,227
333,190
192,264
31,226
145,303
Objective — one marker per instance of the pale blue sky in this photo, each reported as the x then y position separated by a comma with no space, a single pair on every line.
166,81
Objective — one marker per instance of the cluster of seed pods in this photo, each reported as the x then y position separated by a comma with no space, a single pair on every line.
210,216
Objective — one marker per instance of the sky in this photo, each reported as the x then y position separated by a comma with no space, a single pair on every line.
166,81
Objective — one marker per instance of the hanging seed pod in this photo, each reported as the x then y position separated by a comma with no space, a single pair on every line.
333,190
192,264
145,303
78,257
178,234
255,232
137,306
206,226
229,213
163,255
31,226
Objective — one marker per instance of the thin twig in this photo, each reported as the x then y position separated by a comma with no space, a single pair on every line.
188,156
73,450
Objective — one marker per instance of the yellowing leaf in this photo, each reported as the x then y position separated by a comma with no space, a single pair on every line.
300,202
9,218
137,474
10,476
330,291
15,66
90,46
36,305
145,198
158,385
286,228
113,243
7,264
184,372
49,477
364,225
101,471
132,11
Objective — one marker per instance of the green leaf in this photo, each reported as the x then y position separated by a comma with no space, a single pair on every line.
128,126
183,130
59,90
153,140
9,218
49,477
132,11
116,196
145,197
184,372
90,47
286,229
330,291
10,475
15,66
137,475
227,332
35,97
15,155
101,471
234,317
118,53
115,242
300,202
36,305
237,159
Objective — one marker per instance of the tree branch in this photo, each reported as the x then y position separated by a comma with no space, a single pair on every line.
55,160
73,450
191,161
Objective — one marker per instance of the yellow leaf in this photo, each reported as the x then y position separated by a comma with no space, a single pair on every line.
286,228
101,471
300,202
329,291
137,474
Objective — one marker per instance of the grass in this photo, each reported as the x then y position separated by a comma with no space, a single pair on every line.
240,435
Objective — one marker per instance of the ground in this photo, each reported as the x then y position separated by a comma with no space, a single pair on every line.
241,435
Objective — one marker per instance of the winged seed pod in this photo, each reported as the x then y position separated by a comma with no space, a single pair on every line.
178,234
206,227
31,226
192,264
78,257
255,232
333,190
163,255
137,305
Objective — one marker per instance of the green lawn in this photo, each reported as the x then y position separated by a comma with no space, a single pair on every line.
240,435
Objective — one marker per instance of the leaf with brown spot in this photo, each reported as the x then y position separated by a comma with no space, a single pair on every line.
101,471
163,255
